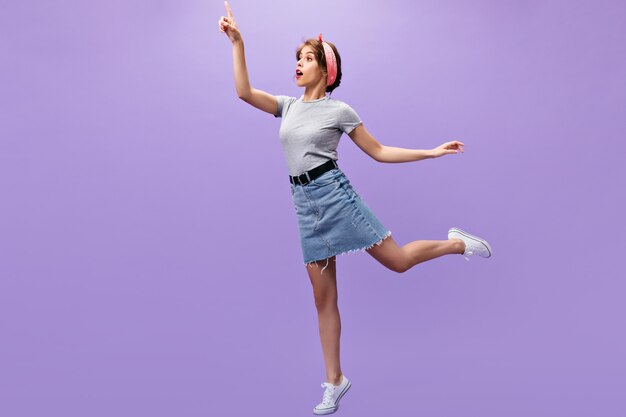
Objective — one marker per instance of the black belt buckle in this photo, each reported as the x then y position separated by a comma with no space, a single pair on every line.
296,180
307,174
307,178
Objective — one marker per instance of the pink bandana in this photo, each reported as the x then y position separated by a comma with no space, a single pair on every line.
331,62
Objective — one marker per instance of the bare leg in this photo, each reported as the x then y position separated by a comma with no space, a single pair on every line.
325,294
401,259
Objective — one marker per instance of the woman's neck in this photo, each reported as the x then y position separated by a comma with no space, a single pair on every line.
314,93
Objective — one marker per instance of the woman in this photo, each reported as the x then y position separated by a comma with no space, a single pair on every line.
332,217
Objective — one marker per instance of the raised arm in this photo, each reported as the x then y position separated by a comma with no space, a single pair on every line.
257,98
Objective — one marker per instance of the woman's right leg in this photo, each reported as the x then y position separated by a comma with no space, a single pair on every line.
325,294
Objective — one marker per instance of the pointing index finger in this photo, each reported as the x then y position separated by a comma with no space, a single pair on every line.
230,12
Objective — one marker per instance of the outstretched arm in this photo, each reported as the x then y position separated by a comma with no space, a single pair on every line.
257,98
381,153
228,26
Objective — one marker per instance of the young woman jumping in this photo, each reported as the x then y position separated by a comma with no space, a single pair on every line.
332,217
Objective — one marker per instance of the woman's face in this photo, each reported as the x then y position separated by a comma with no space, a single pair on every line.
308,72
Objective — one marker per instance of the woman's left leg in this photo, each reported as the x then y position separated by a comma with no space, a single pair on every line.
401,259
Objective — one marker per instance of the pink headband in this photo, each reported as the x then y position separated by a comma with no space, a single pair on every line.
331,62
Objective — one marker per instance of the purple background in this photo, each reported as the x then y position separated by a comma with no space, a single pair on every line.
149,255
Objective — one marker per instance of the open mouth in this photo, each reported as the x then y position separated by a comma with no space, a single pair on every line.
298,73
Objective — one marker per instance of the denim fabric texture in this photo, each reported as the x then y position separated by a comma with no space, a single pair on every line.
333,219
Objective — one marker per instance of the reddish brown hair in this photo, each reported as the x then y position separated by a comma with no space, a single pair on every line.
320,57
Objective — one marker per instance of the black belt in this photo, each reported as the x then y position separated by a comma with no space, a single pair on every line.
311,174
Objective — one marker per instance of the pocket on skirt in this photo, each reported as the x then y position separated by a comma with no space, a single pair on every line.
327,178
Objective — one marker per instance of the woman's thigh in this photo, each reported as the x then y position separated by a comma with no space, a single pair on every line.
324,283
390,255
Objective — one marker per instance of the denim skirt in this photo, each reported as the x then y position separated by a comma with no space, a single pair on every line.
333,219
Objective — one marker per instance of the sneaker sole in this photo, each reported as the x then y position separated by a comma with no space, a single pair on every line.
332,410
476,238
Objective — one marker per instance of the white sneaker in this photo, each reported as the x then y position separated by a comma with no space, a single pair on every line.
332,395
473,244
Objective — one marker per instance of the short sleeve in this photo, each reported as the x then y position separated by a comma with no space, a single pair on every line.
283,104
348,119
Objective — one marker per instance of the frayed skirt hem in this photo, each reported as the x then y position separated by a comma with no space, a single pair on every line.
377,243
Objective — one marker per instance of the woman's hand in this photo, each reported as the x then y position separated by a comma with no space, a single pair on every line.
228,25
447,148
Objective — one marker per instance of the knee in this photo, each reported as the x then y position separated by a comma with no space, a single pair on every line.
324,301
400,266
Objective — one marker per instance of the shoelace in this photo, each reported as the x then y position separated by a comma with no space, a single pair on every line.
328,393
